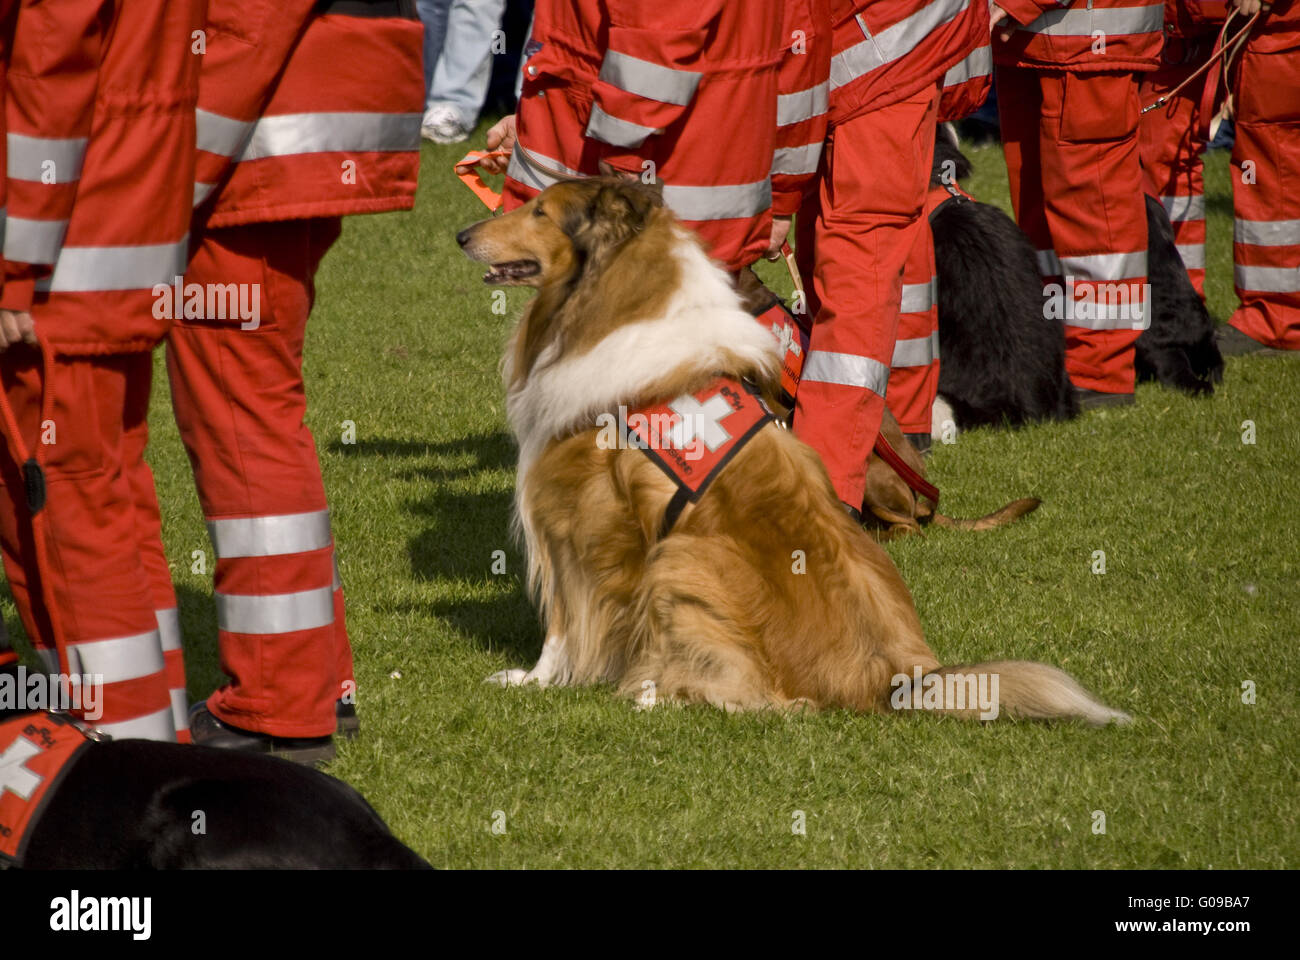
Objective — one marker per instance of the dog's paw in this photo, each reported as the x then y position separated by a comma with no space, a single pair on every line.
508,678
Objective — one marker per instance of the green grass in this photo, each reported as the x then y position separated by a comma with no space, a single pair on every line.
1200,594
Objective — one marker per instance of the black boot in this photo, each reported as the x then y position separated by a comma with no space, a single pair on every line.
207,730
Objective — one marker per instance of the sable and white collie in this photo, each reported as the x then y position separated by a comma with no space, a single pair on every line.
764,592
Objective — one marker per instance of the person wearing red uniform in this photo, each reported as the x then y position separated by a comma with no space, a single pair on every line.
682,90
313,115
858,228
1067,78
99,134
1265,202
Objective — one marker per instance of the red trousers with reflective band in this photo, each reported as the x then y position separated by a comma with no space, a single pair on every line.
1265,198
1071,147
240,405
100,522
854,238
1172,168
914,367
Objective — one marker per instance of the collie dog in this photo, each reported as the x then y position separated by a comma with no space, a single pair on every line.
764,592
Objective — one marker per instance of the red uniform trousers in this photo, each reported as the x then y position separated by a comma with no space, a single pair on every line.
1171,148
1265,198
100,526
854,238
914,367
240,404
1071,146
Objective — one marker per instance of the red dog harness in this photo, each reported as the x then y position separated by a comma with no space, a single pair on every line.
35,751
694,436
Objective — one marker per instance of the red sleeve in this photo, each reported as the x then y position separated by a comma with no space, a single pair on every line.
50,84
802,103
1026,12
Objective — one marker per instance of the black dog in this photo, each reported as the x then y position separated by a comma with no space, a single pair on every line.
144,805
1002,359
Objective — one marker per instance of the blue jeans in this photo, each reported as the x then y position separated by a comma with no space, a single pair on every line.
458,40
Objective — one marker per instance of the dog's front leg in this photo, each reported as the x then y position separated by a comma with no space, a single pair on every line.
552,668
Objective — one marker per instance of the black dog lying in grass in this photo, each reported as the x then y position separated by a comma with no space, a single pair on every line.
1002,358
144,805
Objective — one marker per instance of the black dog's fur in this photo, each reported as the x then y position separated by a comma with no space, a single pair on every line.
1002,360
132,805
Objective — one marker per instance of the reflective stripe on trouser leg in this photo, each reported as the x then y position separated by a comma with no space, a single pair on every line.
169,630
880,163
914,366
342,644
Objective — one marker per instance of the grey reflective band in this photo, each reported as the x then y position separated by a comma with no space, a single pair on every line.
1267,279
33,241
49,658
1122,312
169,628
338,577
978,64
616,132
1115,22
650,80
1106,267
1193,255
201,191
152,726
270,536
893,42
118,659
275,613
918,297
803,104
1184,208
846,369
85,269
719,203
794,161
917,352
1048,263
287,134
180,709
29,157
221,135
4,216
521,171
1259,233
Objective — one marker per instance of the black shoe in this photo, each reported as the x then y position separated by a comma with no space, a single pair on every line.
349,724
1234,343
921,441
207,730
1095,399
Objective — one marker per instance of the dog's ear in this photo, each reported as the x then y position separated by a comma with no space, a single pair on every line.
655,185
615,212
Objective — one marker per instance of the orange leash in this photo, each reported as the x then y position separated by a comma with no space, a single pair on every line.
33,471
467,170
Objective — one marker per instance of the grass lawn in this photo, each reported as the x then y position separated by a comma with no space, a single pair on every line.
1201,593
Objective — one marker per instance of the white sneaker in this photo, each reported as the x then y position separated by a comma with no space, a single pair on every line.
442,124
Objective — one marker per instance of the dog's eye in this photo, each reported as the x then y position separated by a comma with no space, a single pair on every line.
538,212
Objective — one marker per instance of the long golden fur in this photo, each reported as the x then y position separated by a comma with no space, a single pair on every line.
765,593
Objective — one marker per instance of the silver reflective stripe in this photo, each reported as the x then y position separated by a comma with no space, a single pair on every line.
1104,267
1049,265
221,135
917,352
4,216
1184,208
118,659
295,133
33,241
1260,233
1115,22
82,269
846,369
802,105
978,64
650,80
180,709
521,171
49,658
719,203
270,536
29,156
1193,255
616,132
152,726
338,577
169,628
1267,279
1121,312
275,613
918,297
891,43
793,161
201,191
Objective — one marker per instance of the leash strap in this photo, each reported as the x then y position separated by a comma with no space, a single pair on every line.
467,170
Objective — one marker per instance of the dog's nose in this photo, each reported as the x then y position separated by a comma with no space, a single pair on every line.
463,237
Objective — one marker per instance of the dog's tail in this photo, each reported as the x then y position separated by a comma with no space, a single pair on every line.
998,518
1015,688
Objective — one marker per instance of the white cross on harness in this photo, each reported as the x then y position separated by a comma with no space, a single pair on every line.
785,334
699,420
14,777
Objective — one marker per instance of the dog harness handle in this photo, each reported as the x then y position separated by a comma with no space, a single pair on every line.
467,170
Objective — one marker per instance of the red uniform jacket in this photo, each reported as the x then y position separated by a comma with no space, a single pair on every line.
1084,34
